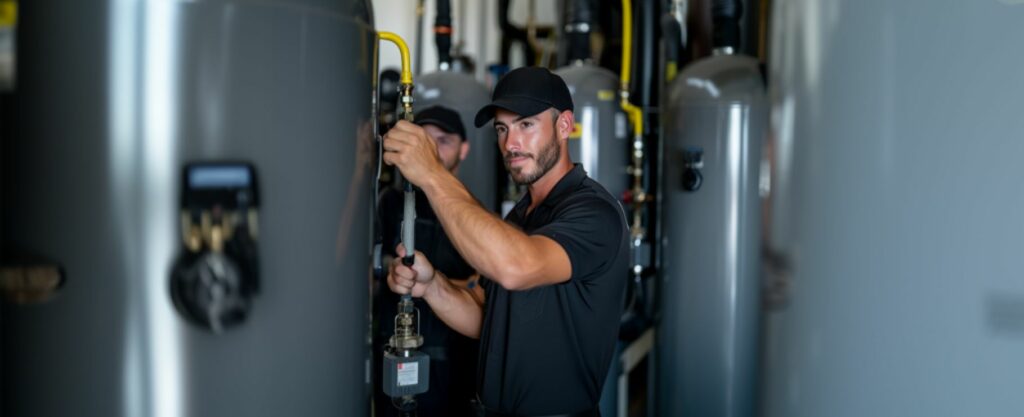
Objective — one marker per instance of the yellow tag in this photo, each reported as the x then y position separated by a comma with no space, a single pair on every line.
670,71
605,95
577,131
8,13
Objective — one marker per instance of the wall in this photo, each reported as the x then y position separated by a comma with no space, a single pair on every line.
481,34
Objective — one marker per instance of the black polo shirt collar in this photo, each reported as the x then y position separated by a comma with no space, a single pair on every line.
569,181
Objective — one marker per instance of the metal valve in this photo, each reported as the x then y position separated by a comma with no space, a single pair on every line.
693,161
216,277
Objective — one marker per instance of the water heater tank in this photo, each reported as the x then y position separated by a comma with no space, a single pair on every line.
896,232
186,200
462,93
598,141
713,126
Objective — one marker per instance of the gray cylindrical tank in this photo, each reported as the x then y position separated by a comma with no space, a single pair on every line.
896,209
111,108
713,126
462,93
600,142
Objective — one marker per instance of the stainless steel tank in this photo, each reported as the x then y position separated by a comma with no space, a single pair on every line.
896,229
462,93
714,123
599,140
115,99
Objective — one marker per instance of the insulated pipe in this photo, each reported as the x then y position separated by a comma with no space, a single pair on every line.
670,29
646,22
577,30
443,34
725,22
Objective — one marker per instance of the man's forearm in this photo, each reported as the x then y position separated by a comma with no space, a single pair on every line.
455,306
481,237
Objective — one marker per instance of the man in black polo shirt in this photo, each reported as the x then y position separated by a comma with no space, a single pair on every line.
553,272
452,377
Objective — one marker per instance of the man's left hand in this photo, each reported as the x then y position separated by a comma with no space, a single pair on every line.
408,147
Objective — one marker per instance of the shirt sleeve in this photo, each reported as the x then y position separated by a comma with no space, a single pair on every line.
485,283
590,229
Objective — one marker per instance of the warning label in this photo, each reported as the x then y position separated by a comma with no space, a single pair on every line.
408,374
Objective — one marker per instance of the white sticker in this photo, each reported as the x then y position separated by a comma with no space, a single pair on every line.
408,373
366,370
620,126
431,93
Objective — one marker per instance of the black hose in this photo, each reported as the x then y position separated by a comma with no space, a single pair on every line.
645,59
649,87
443,32
580,18
725,21
581,11
670,31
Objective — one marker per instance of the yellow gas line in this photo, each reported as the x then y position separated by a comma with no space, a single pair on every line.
635,116
405,87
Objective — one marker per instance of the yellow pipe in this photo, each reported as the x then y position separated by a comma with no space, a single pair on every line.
404,49
634,113
627,44
405,87
636,118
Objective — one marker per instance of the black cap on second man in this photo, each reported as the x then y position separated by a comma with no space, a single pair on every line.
446,119
527,91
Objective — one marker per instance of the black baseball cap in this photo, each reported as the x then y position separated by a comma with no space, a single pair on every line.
527,91
446,119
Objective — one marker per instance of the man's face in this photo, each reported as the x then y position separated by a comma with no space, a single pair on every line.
529,144
450,147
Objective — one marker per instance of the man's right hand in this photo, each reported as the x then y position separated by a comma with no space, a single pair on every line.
410,280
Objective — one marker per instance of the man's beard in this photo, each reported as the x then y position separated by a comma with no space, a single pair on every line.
454,167
546,160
